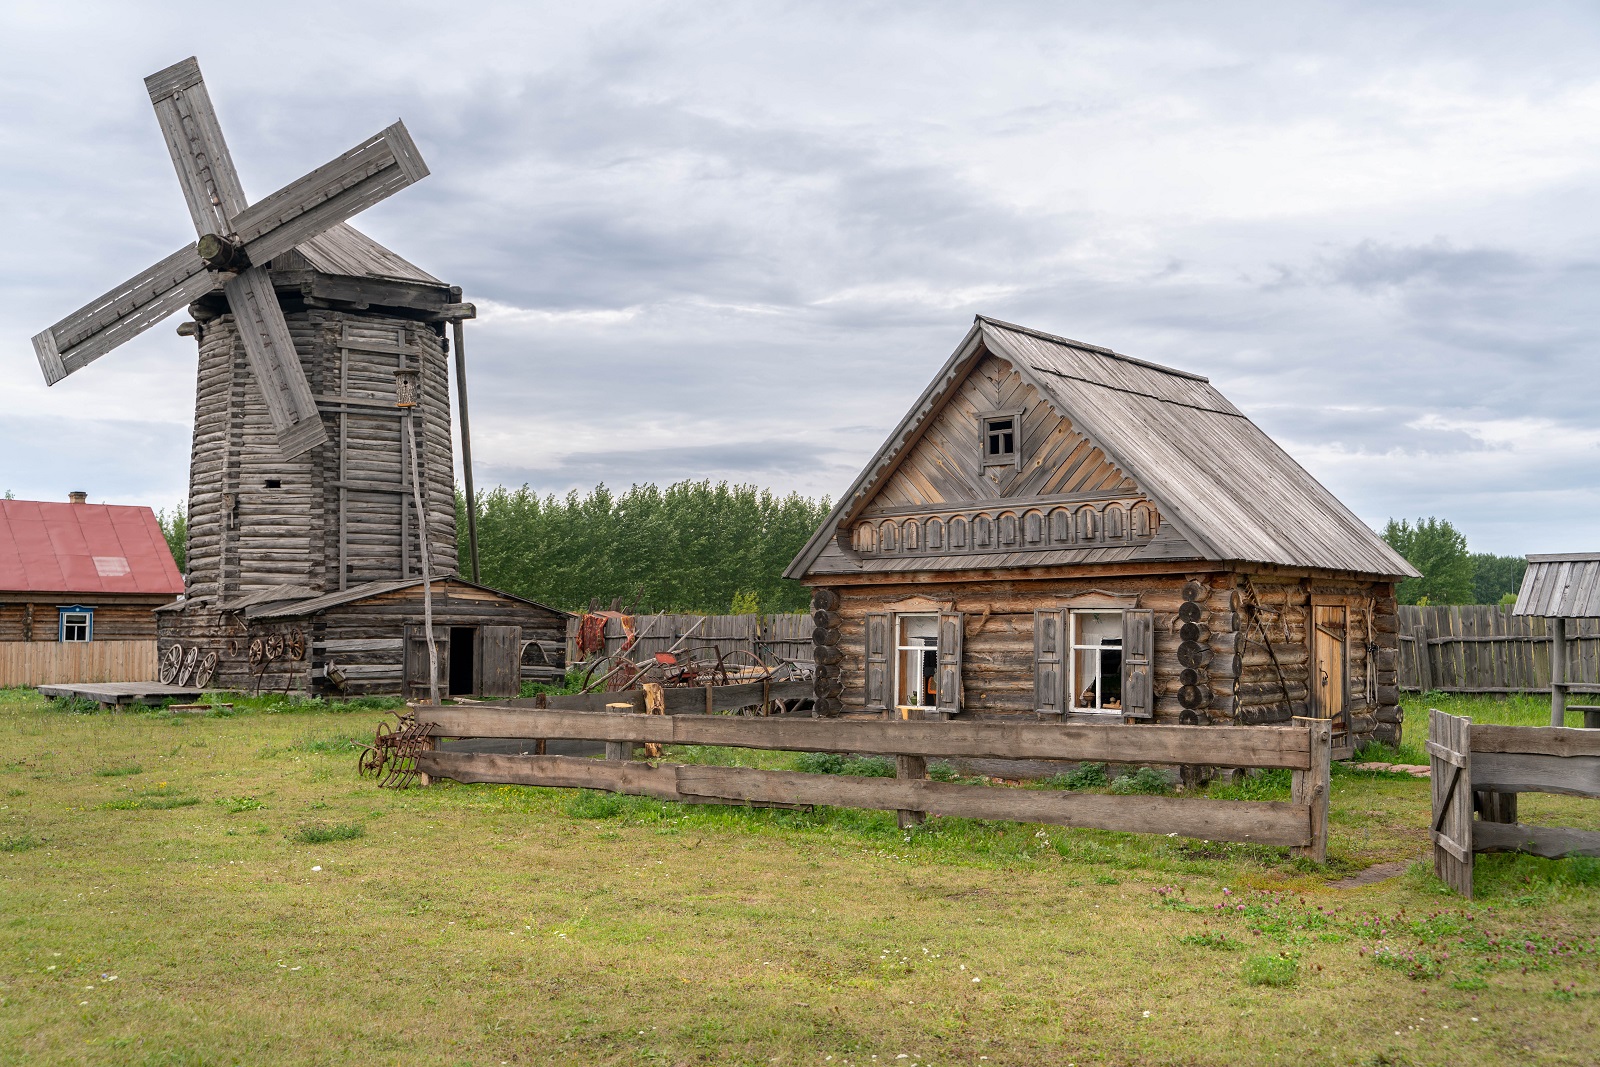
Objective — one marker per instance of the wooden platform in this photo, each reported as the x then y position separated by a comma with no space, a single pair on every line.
111,694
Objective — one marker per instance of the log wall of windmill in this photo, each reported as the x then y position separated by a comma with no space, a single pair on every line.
257,519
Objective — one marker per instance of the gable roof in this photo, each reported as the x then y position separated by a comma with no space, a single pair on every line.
344,250
1227,487
87,549
282,608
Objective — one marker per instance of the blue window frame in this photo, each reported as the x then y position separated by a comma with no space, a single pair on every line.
77,624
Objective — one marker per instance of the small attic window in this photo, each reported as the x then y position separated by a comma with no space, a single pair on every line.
1001,436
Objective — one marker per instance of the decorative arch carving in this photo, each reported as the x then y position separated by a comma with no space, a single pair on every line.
1061,526
982,531
1115,521
1033,527
1088,524
959,533
1146,520
1007,529
887,539
866,537
911,536
933,534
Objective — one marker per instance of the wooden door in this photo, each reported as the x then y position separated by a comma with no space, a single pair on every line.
499,661
416,669
1330,674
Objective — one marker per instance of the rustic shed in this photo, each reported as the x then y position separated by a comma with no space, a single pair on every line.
78,584
1559,587
370,638
1059,531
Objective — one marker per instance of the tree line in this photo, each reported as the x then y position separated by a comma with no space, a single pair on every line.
1450,573
693,546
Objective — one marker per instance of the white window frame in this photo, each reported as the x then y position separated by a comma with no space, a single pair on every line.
899,659
64,614
1074,647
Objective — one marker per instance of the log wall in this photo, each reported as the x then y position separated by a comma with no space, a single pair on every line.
1237,670
341,514
38,618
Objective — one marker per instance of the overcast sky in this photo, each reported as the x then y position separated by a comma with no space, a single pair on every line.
735,241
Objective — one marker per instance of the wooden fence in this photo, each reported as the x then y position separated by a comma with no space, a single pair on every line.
62,662
1301,822
768,637
1481,769
1483,648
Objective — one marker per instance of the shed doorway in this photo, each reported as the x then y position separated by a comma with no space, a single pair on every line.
463,661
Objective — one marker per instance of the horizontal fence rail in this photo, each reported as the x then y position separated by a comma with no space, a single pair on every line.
1483,648
1481,769
1300,823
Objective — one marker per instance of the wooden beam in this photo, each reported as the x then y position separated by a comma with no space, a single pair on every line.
1552,842
1541,740
1227,746
1507,772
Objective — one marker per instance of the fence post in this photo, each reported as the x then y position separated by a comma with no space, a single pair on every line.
910,767
619,750
1558,671
1312,785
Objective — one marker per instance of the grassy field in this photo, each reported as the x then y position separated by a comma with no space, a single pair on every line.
217,890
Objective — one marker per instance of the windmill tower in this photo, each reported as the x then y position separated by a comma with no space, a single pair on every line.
322,461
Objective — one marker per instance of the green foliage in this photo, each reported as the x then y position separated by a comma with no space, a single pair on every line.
834,763
1271,784
1494,578
235,805
1087,776
1439,551
320,833
175,528
745,603
592,804
1146,781
1279,970
692,546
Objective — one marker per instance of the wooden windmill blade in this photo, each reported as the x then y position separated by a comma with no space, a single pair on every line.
194,138
236,241
122,313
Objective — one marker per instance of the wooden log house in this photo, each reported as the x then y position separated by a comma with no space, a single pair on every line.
304,571
1059,532
78,582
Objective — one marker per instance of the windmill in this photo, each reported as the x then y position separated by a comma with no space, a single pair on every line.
235,240
322,461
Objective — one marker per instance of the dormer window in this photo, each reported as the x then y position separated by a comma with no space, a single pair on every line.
1001,435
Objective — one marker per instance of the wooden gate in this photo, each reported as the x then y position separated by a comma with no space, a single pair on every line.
1450,757
499,661
1484,768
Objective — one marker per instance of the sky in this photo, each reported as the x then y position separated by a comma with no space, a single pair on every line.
735,241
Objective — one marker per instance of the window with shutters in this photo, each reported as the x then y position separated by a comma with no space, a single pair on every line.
1096,663
916,661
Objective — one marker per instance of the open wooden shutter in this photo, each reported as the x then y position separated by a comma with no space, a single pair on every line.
877,640
1049,661
1138,646
499,661
950,634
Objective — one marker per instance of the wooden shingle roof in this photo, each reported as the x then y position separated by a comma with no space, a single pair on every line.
1234,494
1564,585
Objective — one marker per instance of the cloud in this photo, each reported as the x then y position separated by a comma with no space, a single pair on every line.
737,241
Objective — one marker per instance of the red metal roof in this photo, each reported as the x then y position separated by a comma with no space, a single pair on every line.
83,548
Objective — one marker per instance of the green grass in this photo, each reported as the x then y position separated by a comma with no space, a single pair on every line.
479,924
317,833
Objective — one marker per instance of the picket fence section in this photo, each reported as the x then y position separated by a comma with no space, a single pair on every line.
1483,648
29,663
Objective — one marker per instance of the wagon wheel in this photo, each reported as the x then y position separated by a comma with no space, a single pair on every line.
171,663
207,668
297,645
190,658
370,763
275,646
258,651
